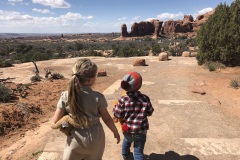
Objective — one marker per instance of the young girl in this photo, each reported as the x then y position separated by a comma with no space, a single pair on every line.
85,106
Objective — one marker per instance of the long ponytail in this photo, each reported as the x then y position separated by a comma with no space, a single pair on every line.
83,70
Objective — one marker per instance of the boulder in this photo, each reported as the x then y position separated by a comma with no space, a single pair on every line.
198,90
139,62
102,73
186,54
163,56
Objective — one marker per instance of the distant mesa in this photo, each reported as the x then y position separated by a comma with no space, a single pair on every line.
157,28
143,28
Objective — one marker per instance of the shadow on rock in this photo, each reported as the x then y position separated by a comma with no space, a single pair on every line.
170,155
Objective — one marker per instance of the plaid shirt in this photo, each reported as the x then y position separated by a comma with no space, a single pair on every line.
133,109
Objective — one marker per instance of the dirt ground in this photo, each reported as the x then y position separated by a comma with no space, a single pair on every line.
25,115
25,118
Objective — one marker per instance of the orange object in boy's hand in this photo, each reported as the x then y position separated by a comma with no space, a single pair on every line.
115,102
124,128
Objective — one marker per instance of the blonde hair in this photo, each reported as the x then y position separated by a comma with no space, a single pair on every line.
83,70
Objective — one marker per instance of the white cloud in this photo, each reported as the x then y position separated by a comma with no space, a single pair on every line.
41,10
204,10
135,18
53,3
11,18
89,24
103,27
15,0
169,16
74,16
149,19
122,19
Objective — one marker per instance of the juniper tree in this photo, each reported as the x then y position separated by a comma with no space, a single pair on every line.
218,39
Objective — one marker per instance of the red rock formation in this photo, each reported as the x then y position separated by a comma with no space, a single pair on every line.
143,29
201,19
124,30
155,28
179,26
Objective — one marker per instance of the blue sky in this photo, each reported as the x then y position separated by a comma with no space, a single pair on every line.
93,16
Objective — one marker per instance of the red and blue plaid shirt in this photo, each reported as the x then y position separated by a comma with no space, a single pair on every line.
133,109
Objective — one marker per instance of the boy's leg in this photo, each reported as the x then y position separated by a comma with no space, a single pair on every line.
139,142
126,145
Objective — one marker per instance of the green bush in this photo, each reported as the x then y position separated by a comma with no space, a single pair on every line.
234,83
128,50
78,46
212,66
36,78
57,76
218,39
40,56
182,37
23,48
156,49
5,63
191,42
5,93
147,38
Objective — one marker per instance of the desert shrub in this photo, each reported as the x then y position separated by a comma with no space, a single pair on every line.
57,55
69,47
26,85
78,46
5,63
127,51
212,66
182,37
218,39
156,49
235,83
90,53
147,38
57,76
6,50
172,52
5,93
36,78
191,42
59,49
23,48
39,56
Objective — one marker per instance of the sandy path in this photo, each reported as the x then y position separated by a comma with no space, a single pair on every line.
169,86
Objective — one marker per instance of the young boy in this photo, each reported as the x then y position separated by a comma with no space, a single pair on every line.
132,110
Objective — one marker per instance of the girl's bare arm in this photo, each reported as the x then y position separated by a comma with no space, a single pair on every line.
58,115
107,119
